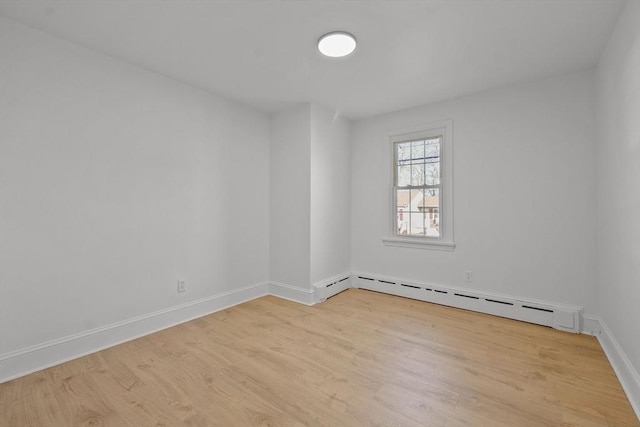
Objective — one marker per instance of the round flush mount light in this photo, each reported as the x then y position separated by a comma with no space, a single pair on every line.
337,44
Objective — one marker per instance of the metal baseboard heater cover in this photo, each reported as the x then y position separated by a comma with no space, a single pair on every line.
557,316
332,288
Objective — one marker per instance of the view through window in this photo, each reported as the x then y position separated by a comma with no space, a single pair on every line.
418,187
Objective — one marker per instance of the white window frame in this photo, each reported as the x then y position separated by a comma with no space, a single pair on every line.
444,242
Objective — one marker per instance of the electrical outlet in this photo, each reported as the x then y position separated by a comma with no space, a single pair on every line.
468,276
182,286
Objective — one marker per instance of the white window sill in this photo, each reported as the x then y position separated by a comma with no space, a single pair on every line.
419,243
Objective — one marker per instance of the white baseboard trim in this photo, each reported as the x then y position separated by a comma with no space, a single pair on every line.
626,372
45,355
292,293
331,286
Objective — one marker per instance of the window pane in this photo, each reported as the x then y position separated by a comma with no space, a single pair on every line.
432,148
431,209
404,150
416,217
403,206
403,197
432,174
432,162
402,222
419,201
417,224
417,151
404,175
416,198
417,174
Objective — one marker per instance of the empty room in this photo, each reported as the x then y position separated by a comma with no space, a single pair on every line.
320,213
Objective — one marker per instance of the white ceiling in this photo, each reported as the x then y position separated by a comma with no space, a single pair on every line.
264,52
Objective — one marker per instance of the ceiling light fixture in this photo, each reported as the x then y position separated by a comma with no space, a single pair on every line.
337,44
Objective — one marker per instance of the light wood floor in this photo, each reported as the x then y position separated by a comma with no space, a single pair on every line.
359,359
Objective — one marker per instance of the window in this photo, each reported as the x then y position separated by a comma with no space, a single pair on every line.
422,196
417,187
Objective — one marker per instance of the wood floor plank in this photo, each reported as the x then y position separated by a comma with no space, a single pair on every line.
359,359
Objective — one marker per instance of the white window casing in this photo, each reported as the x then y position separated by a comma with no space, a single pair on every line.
444,241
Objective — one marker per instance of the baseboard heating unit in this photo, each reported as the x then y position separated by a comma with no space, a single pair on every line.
557,316
332,286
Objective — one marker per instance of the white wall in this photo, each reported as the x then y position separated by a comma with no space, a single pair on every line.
290,197
309,196
524,193
116,182
618,148
330,194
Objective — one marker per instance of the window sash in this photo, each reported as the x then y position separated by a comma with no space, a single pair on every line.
409,211
424,187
